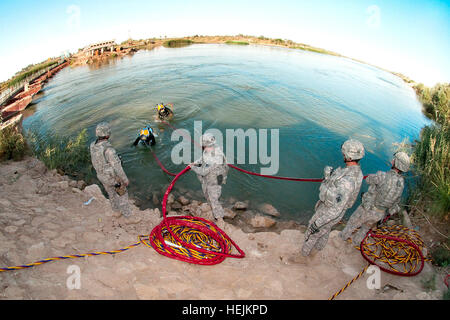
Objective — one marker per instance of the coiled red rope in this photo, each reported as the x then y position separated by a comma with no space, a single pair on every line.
190,252
391,251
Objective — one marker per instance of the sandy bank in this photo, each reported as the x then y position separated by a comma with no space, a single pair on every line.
42,215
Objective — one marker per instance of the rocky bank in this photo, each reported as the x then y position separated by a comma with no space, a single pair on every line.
44,214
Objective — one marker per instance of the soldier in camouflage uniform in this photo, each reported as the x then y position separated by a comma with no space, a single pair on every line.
211,170
109,170
381,199
338,192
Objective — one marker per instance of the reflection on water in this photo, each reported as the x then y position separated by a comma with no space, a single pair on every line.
316,101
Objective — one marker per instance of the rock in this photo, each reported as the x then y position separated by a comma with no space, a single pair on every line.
93,190
260,221
269,209
183,200
72,183
11,229
81,184
176,206
205,207
170,199
229,213
133,219
240,205
37,168
43,189
59,186
76,190
195,203
20,222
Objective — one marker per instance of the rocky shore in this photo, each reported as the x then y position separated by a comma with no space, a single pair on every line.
44,214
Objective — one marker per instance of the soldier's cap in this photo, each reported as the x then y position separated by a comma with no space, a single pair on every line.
353,149
401,161
103,130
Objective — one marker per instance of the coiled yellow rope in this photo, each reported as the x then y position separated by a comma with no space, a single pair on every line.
395,249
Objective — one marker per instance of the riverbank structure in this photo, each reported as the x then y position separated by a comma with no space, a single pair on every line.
99,47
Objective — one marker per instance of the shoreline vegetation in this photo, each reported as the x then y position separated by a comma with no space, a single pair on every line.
431,154
26,72
429,199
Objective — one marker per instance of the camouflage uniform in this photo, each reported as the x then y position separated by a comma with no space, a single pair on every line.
338,192
109,170
212,171
382,199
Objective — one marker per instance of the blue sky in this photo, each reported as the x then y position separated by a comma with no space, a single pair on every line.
411,37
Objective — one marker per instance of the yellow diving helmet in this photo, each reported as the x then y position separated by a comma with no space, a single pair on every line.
160,106
145,133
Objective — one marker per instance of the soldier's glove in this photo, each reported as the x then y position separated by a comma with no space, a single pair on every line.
327,171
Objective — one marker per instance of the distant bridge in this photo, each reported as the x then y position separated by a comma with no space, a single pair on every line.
102,46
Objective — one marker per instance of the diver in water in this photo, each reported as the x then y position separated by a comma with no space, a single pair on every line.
146,136
164,112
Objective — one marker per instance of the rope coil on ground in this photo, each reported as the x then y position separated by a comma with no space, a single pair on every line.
191,239
396,250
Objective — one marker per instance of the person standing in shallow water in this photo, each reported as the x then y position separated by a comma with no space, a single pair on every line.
212,170
338,192
109,170
382,199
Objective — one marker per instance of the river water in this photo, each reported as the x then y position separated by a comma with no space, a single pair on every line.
316,102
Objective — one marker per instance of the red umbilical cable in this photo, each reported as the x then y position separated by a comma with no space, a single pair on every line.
162,166
199,224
